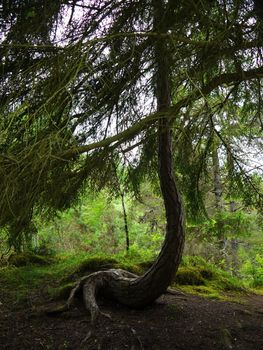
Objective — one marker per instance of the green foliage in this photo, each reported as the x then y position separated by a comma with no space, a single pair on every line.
252,270
235,224
75,101
96,225
240,249
225,224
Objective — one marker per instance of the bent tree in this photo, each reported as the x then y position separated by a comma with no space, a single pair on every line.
88,85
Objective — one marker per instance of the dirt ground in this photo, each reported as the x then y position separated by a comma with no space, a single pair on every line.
182,322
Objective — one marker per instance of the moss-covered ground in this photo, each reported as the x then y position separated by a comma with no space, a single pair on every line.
55,276
204,317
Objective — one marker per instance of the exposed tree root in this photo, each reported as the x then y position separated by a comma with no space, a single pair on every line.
175,291
107,283
101,281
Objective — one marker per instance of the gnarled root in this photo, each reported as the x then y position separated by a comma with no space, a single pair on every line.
113,283
102,281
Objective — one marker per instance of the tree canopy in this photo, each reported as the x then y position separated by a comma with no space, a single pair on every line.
79,94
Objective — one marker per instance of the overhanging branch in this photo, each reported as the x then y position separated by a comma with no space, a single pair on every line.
172,112
174,37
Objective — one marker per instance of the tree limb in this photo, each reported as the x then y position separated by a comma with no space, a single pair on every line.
172,112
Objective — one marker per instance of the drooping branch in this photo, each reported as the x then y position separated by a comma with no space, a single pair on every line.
175,38
236,161
170,112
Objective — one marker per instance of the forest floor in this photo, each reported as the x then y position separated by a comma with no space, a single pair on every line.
183,322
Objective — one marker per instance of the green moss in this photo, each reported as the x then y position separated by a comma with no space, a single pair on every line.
204,291
60,292
206,273
226,282
258,290
197,276
75,268
131,267
189,276
96,263
145,265
90,265
28,258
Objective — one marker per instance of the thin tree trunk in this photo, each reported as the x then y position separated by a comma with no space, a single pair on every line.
218,190
230,170
217,180
126,229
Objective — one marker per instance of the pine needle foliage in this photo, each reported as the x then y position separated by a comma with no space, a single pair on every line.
78,87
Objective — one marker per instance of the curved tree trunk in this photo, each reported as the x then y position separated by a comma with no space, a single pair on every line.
125,287
121,285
